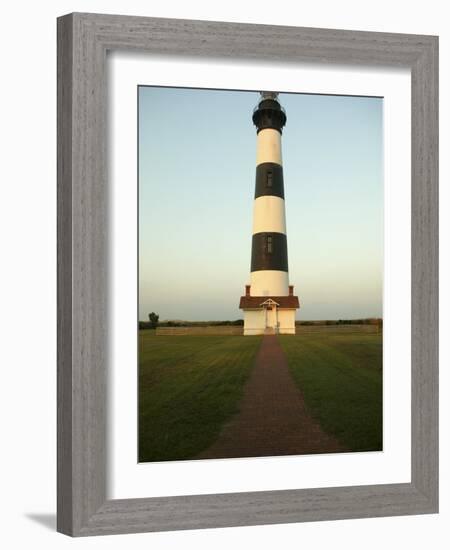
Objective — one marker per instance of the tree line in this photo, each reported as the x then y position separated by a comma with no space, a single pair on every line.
370,321
154,322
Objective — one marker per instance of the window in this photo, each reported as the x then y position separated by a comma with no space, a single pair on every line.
269,179
269,244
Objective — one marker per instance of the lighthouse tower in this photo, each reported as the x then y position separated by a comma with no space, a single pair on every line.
269,303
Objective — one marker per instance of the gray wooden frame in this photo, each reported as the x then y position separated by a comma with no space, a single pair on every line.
83,40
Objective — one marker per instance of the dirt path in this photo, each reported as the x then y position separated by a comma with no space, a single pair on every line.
273,419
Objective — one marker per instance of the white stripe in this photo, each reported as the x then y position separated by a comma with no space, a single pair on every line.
269,283
268,146
269,214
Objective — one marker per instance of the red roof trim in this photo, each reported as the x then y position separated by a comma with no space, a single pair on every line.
254,302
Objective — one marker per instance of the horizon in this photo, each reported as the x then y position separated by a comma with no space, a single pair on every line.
242,319
333,166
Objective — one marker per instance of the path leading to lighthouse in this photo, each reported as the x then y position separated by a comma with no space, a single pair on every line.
273,419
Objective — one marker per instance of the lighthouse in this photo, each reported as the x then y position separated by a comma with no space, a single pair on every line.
269,303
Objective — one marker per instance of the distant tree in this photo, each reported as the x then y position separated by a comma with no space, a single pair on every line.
154,319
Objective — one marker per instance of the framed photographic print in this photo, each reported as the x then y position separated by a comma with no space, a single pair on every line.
247,274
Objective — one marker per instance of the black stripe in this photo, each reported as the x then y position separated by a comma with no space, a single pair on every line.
269,180
269,251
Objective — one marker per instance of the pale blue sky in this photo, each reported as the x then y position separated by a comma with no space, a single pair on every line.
197,152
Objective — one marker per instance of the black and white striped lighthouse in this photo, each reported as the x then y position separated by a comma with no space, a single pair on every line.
269,303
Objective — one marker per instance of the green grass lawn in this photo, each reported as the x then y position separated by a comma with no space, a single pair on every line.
340,376
189,386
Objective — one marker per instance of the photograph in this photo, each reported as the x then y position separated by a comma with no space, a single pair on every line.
260,273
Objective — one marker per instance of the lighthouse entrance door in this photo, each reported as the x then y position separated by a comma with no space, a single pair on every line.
271,323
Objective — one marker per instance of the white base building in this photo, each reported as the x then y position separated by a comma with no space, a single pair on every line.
269,316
